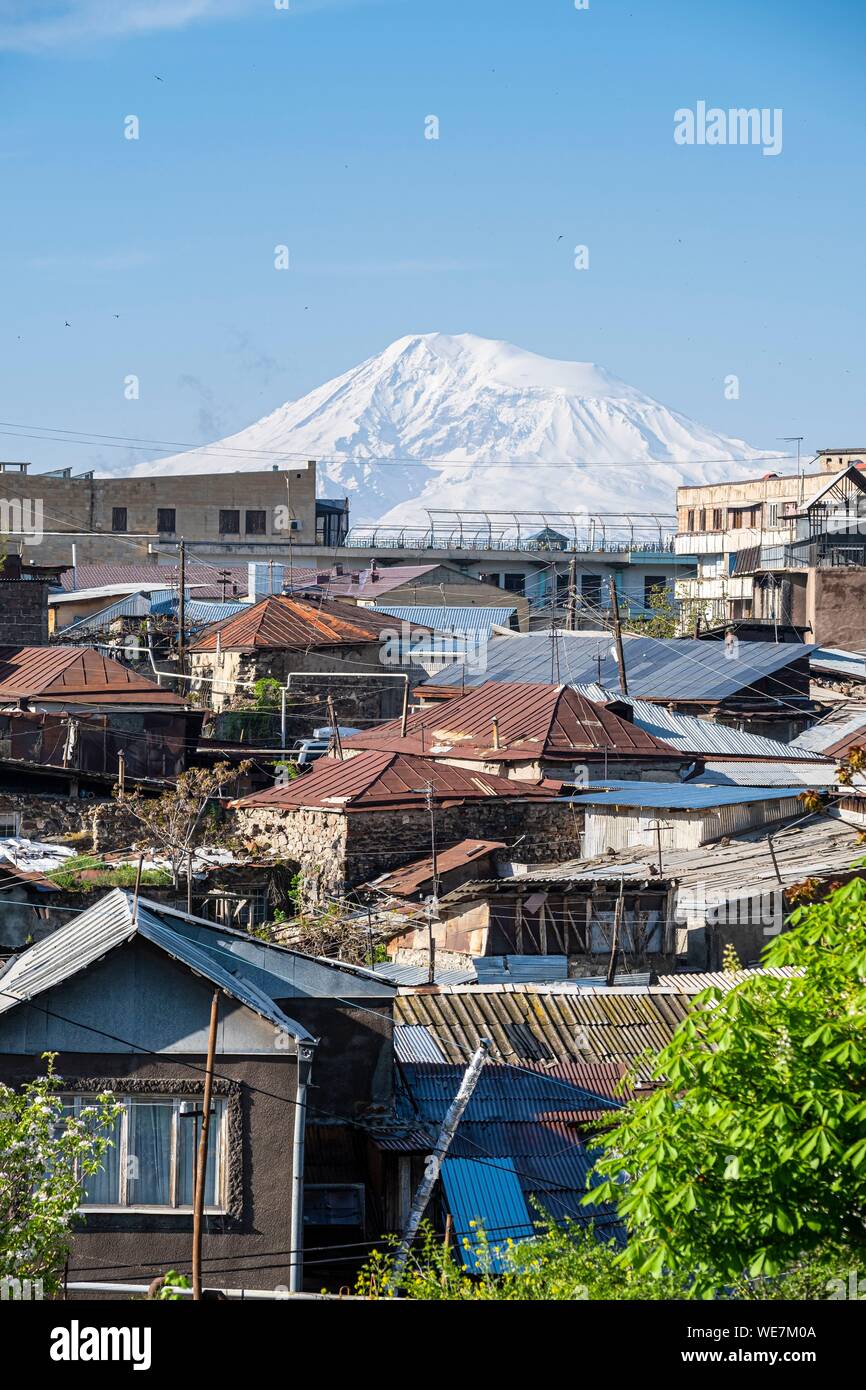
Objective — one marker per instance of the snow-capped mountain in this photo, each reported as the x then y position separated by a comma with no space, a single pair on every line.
440,421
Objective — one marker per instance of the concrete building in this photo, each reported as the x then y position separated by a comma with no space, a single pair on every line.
783,551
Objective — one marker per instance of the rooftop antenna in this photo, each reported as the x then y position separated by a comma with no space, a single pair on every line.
798,440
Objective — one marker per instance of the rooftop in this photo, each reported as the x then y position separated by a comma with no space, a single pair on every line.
387,781
678,669
681,796
76,676
293,623
534,721
410,878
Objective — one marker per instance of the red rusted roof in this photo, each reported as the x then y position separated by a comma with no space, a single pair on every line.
410,877
534,721
294,623
386,781
75,675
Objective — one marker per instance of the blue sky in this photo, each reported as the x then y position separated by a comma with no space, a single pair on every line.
306,128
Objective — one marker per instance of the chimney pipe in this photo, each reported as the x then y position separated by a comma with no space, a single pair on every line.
495,732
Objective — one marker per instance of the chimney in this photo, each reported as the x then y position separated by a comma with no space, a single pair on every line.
355,577
338,569
374,573
495,732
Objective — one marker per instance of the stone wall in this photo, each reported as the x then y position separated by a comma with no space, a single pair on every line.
336,851
23,612
92,826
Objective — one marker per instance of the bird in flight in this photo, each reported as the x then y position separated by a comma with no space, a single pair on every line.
158,78
68,324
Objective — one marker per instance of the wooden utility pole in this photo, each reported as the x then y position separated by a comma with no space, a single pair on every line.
404,714
433,904
137,889
335,729
614,945
434,1161
121,774
617,632
189,882
181,610
201,1160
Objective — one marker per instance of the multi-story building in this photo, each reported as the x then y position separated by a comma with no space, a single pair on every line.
781,549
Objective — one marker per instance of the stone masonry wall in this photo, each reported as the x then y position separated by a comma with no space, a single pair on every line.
336,851
23,612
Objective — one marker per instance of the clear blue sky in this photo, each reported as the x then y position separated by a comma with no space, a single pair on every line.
306,128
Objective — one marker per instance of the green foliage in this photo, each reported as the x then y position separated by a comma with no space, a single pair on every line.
751,1154
69,875
168,1286
182,817
45,1155
561,1263
663,620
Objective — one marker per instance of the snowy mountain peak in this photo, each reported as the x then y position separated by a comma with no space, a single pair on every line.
460,422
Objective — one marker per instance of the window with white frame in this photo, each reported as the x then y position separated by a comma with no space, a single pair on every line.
151,1160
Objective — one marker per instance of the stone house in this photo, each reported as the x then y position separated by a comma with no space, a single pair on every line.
349,820
282,637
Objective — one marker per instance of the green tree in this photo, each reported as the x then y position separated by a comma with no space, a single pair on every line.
752,1151
44,1156
176,821
663,619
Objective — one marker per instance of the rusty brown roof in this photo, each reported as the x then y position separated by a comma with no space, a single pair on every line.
385,781
534,721
295,623
408,879
75,675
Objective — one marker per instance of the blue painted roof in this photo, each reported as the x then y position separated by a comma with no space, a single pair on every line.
680,796
485,1193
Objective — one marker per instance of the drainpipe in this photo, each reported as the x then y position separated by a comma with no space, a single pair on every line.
306,1052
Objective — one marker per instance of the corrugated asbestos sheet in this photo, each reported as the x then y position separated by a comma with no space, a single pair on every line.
690,734
671,668
544,1023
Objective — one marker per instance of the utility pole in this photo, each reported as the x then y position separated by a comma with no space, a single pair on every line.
614,945
296,1268
121,774
181,609
433,904
571,619
335,729
617,632
798,440
433,1164
201,1159
189,882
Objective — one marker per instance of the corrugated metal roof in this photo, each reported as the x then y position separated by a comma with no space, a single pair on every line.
671,668
135,606
693,981
492,970
199,612
468,621
415,1044
699,736
837,662
733,773
199,573
682,796
283,623
411,877
105,926
534,721
399,974
75,674
836,732
488,1194
390,780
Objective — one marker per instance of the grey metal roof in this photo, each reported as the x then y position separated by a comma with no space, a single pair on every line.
773,774
838,662
492,970
672,668
414,1043
135,606
694,735
107,925
456,620
418,974
681,796
838,724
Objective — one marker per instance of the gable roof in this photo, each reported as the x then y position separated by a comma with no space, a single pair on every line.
850,474
254,972
534,721
843,728
201,577
281,622
75,675
386,781
410,877
678,668
370,583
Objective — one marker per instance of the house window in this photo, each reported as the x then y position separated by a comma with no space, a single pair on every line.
690,520
166,519
256,523
151,1161
230,523
590,588
118,518
10,824
717,518
702,519
514,583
